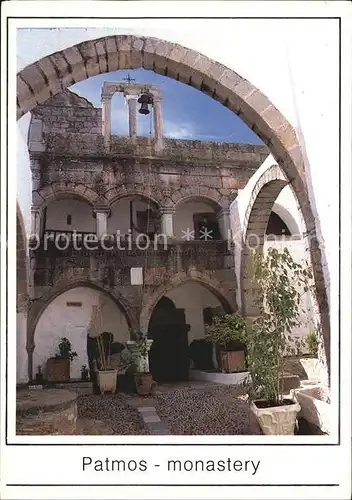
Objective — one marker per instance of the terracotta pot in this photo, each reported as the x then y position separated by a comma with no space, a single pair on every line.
276,420
232,361
107,381
58,370
143,383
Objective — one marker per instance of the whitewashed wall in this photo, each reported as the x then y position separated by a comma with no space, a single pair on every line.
23,172
120,214
183,217
193,298
297,251
81,215
59,320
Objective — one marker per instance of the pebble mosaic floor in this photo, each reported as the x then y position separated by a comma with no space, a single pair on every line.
182,409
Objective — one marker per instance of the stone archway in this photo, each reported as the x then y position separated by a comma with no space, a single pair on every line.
265,192
61,190
226,297
40,305
130,189
50,75
203,193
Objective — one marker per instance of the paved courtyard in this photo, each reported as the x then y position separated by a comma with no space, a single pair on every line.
188,408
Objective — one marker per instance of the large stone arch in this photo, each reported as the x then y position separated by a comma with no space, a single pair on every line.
61,190
266,190
38,307
225,296
49,76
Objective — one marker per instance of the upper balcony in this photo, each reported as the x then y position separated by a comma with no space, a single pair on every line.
112,264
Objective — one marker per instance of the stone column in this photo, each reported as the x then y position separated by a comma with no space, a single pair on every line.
35,226
102,222
132,117
30,349
21,340
106,120
223,218
158,124
141,360
167,222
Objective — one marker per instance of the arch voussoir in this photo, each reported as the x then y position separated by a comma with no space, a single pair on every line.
59,190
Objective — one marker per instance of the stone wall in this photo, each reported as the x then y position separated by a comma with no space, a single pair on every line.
68,119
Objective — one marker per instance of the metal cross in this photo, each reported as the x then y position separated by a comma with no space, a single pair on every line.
129,79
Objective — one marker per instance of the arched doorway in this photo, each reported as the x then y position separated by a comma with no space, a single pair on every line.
71,314
178,319
169,352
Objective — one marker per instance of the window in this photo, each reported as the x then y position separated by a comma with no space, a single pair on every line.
69,220
206,227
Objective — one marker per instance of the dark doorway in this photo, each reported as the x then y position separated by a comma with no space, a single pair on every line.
168,355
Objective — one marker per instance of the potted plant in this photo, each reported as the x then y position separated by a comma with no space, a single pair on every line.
84,373
279,284
106,375
39,379
139,348
58,368
228,333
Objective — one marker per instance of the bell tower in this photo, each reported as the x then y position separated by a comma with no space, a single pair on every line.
149,98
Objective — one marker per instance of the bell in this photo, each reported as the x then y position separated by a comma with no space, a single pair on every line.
144,110
145,100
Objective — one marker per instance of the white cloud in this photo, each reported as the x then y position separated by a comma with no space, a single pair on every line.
175,130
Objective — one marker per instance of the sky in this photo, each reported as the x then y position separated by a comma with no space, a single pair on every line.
187,112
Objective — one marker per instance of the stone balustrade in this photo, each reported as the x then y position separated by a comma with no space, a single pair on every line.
112,267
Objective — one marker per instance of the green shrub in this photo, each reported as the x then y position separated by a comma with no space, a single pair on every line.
311,342
279,283
226,329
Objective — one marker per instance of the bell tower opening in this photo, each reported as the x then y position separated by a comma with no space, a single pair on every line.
147,97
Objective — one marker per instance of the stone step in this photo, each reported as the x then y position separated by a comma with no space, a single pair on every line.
72,385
